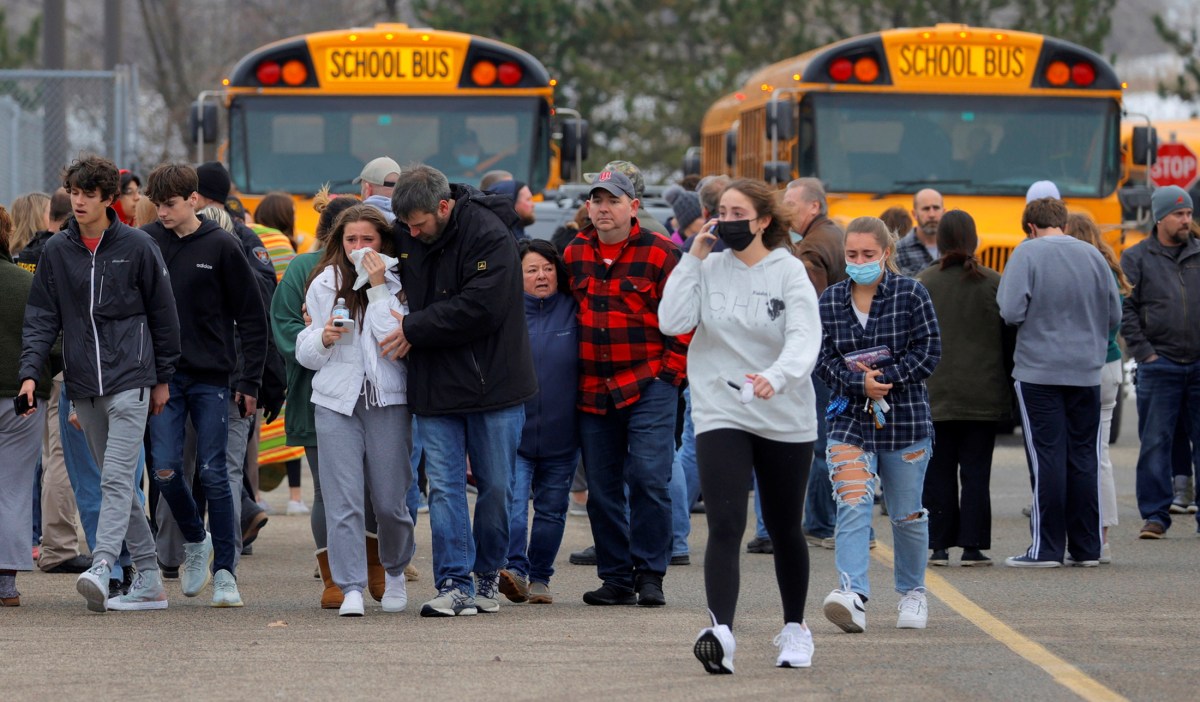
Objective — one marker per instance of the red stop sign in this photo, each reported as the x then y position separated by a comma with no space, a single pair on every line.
1176,165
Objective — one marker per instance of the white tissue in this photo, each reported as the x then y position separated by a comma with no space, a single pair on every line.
356,257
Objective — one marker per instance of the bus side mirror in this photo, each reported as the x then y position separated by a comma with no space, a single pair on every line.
1145,145
691,161
776,172
780,120
574,147
202,122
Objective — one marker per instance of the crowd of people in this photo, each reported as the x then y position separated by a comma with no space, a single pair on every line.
749,345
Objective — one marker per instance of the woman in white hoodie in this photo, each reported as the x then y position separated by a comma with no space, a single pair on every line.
757,334
362,419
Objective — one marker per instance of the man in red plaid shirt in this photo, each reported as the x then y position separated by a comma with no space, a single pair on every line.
628,392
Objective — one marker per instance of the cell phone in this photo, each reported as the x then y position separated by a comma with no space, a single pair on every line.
241,403
21,404
347,336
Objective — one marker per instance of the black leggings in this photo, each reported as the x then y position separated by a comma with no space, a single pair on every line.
726,458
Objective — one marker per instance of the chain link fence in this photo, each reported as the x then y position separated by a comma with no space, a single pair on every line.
48,118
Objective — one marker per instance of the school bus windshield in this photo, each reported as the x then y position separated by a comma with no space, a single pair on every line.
961,144
295,144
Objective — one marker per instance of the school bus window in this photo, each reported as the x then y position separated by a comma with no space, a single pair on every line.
298,134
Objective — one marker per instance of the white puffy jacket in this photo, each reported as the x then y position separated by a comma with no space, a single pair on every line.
341,369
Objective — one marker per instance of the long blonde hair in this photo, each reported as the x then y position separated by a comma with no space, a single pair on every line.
1084,228
29,217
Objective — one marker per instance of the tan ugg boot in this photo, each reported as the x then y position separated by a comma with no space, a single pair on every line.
376,575
331,596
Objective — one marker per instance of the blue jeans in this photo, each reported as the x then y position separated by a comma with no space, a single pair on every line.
491,439
84,475
820,512
685,483
413,499
37,503
904,473
549,480
208,408
1163,389
634,447
760,527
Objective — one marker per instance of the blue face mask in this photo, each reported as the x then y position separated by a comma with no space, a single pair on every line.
864,273
467,161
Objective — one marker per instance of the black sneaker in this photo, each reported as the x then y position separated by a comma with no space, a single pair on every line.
939,557
75,564
116,588
168,572
759,545
681,559
649,591
608,595
585,557
973,557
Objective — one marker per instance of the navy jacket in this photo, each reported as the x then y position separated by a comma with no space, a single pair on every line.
550,427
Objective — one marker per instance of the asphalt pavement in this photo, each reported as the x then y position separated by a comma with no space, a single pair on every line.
1125,630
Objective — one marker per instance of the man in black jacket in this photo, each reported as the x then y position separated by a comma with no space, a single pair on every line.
103,285
470,372
1160,330
214,289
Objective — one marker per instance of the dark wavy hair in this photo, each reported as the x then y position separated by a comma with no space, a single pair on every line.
546,250
765,201
93,174
957,240
334,255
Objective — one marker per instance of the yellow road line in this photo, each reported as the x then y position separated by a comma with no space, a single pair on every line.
1063,672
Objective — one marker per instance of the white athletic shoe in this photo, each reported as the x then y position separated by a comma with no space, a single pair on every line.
395,593
714,648
352,604
846,609
795,644
914,611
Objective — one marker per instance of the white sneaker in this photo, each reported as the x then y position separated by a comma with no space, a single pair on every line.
845,608
352,604
1105,553
795,644
296,507
914,611
395,593
714,648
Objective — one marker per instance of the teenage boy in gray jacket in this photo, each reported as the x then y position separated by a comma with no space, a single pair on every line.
104,286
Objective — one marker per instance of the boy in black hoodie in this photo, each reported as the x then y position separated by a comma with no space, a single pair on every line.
102,284
214,289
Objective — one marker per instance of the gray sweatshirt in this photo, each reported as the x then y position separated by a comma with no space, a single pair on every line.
1062,296
761,319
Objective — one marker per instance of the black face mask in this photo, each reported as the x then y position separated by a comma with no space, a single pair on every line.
735,233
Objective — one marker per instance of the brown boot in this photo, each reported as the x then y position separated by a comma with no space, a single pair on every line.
376,575
331,597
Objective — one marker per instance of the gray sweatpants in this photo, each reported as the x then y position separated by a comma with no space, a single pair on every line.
114,426
369,448
20,444
170,538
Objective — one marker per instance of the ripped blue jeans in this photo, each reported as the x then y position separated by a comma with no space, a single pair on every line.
854,474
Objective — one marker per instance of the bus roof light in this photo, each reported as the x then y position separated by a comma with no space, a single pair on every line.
841,70
483,73
1083,74
1057,73
267,72
294,72
510,74
866,69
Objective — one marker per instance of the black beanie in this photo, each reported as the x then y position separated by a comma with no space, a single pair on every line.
214,181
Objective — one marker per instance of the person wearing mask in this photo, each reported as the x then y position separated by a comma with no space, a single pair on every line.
757,334
881,342
549,447
968,394
20,435
1084,228
362,420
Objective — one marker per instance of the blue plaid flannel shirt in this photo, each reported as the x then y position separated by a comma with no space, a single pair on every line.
902,319
911,255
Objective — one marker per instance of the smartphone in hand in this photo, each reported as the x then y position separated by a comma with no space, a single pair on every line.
21,405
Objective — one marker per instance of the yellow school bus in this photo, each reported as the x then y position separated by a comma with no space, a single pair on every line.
315,108
977,114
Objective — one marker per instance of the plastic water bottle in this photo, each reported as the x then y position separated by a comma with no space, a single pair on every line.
340,310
